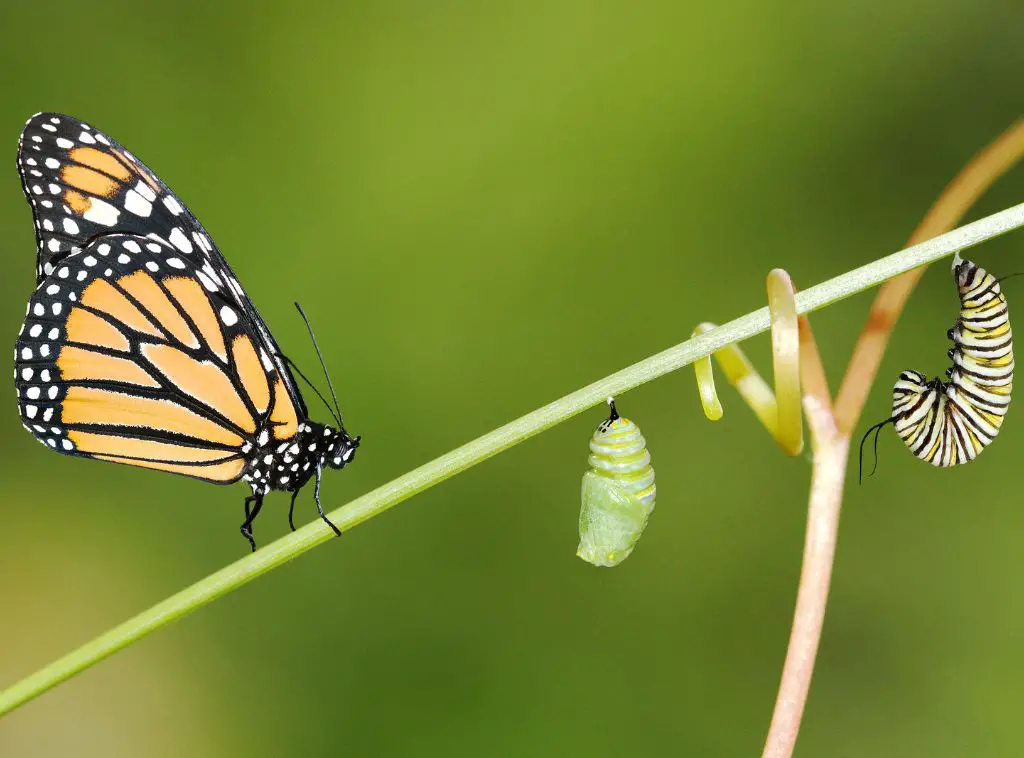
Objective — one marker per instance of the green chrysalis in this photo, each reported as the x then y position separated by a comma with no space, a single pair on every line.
618,492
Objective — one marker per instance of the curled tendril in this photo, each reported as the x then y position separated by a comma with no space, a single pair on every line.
779,411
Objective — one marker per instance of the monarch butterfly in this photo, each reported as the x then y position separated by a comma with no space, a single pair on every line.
618,492
949,423
139,345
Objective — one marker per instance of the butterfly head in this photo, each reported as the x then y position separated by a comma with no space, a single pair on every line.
340,448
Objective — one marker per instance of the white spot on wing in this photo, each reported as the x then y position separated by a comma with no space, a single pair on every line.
101,212
206,282
211,272
146,191
172,205
137,204
179,240
203,241
228,316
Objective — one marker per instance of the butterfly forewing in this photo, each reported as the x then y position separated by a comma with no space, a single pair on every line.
128,355
83,184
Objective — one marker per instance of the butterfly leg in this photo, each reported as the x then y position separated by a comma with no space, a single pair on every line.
250,516
291,511
319,508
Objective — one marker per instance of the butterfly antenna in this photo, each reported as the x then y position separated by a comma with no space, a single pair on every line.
312,386
877,429
323,365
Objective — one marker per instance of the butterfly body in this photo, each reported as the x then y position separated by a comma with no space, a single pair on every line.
139,345
289,465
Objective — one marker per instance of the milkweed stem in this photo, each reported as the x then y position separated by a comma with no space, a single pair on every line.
430,474
831,429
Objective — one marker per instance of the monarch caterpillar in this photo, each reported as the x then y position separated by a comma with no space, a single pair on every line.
949,423
617,493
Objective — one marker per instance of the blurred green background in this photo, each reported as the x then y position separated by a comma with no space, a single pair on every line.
484,206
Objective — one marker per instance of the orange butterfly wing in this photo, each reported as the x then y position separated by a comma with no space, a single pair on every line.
128,355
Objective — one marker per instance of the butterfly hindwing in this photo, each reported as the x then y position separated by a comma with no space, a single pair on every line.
129,353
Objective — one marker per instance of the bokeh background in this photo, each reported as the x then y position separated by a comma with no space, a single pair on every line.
484,206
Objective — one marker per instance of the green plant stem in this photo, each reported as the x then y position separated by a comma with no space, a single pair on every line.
436,471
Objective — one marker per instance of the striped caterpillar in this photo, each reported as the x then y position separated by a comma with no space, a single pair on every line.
947,423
